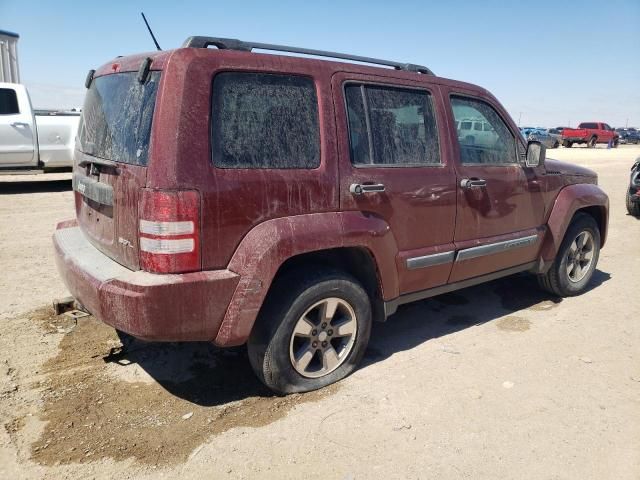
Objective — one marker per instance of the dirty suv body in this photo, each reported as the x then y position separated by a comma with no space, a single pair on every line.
237,197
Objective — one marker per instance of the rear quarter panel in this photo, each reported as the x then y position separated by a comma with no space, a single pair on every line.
234,200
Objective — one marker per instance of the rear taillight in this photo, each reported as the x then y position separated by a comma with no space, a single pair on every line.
169,231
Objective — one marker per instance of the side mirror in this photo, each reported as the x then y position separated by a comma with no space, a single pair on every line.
536,154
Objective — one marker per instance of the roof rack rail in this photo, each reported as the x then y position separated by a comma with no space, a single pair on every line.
235,44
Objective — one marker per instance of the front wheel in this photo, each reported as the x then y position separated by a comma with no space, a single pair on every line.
576,259
312,331
633,207
592,142
616,142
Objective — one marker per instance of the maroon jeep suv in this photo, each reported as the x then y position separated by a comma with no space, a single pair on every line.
287,202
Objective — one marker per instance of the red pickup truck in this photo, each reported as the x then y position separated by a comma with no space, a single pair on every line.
590,133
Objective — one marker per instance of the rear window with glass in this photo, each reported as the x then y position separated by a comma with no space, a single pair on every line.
589,125
264,121
116,117
391,126
8,102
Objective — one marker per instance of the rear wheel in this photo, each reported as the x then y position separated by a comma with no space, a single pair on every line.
312,331
567,144
576,259
592,142
632,207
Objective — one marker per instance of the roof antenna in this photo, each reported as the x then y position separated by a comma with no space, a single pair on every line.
150,32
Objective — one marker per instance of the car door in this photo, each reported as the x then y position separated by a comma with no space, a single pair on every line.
395,163
16,131
500,202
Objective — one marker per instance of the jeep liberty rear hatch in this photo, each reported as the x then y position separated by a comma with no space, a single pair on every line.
111,159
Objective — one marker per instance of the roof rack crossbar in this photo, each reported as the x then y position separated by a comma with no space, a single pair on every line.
235,44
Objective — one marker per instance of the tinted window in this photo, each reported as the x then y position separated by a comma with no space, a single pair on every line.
116,117
495,145
391,126
588,125
264,121
358,131
8,102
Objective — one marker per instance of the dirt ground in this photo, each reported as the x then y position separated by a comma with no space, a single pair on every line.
495,381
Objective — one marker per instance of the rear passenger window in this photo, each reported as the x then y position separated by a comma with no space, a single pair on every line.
8,102
391,126
264,121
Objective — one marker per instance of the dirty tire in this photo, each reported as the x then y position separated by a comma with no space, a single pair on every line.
567,144
633,207
556,280
289,298
592,142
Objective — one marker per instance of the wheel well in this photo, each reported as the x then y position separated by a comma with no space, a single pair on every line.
598,215
357,262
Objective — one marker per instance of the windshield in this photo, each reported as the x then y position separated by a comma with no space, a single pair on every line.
116,117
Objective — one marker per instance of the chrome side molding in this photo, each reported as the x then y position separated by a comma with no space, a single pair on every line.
493,248
430,260
469,253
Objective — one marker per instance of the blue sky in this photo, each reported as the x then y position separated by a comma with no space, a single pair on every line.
549,62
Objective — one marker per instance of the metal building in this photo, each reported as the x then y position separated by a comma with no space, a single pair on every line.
9,71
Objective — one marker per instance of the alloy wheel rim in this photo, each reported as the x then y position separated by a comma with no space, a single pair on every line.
580,256
323,337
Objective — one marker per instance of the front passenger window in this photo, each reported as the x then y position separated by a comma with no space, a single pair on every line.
494,144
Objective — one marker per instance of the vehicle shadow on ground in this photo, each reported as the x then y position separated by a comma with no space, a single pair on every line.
198,372
209,376
12,188
437,317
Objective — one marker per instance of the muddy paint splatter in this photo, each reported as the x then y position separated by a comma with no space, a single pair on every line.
512,323
91,414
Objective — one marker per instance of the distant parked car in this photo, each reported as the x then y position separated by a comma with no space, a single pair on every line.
555,133
33,140
628,135
540,135
473,131
633,192
590,133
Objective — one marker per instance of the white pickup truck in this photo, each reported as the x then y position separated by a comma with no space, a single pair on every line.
33,141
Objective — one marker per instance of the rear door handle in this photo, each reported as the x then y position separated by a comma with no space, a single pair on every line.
360,189
19,124
473,183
